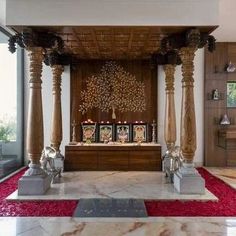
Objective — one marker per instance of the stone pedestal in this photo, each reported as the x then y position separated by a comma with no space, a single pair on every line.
34,185
35,181
188,181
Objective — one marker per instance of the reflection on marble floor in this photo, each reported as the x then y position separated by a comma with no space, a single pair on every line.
168,226
227,174
114,184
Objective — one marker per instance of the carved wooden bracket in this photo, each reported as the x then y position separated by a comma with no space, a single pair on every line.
54,58
171,45
171,57
191,38
29,38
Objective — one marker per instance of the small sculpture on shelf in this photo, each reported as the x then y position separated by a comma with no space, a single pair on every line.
225,120
215,94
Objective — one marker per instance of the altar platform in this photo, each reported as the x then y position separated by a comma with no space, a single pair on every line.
113,184
113,156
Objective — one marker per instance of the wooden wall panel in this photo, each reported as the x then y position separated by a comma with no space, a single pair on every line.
110,160
216,76
143,70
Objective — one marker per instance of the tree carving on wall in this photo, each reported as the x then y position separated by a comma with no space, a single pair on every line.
113,89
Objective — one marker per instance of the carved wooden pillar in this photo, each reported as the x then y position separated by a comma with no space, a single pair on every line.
35,135
170,121
35,181
56,126
188,122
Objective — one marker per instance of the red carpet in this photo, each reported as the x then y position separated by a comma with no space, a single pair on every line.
31,208
226,206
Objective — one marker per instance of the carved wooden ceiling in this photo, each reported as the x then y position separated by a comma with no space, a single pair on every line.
107,42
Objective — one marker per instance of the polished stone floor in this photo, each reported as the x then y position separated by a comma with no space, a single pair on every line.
228,175
152,226
144,226
114,184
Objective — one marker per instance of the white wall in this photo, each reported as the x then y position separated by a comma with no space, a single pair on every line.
47,105
226,32
3,16
112,12
2,12
199,99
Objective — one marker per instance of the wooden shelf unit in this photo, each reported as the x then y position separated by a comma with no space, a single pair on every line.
217,153
227,136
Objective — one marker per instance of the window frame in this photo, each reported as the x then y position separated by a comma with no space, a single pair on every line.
20,98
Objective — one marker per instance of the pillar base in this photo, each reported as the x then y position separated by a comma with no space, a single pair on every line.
35,181
188,181
34,185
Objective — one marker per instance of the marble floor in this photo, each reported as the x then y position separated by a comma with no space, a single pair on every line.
147,226
114,184
228,175
152,226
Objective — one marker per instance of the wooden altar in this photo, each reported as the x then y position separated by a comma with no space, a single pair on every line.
130,156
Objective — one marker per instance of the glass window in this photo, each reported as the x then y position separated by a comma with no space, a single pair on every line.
11,107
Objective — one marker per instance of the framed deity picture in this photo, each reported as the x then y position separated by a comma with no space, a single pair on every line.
88,132
123,133
105,132
139,132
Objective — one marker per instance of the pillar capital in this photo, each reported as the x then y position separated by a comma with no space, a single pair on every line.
187,55
57,70
169,70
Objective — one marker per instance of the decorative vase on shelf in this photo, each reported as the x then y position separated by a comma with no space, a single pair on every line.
225,120
231,67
